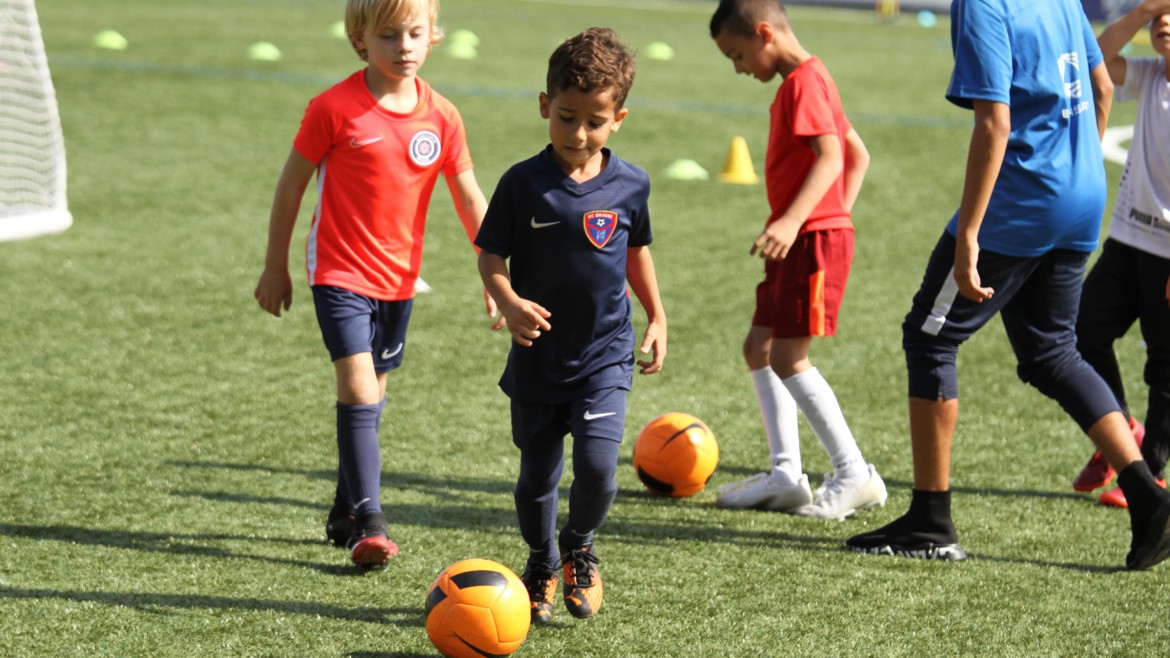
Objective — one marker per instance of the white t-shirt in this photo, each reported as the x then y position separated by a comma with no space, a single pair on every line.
1141,216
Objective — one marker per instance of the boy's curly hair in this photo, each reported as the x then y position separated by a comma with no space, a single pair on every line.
360,14
594,60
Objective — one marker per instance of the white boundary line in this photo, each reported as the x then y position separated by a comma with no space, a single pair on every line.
1113,145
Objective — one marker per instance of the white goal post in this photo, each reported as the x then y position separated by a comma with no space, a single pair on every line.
32,149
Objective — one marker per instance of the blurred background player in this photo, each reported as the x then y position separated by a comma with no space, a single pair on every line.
565,231
815,166
1131,279
385,137
1033,196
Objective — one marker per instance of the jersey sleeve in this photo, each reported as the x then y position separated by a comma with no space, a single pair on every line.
1137,70
983,55
640,233
316,134
1092,49
496,231
458,156
812,110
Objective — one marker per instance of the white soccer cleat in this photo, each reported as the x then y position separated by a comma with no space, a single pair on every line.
837,498
766,491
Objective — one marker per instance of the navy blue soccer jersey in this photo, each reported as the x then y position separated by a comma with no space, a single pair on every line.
566,247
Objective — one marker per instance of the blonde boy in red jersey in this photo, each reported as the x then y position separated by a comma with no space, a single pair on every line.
815,166
378,142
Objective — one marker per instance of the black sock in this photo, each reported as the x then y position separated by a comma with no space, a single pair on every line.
930,516
1141,492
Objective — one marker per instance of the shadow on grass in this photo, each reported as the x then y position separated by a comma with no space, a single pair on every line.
173,543
402,480
395,654
501,519
147,602
992,491
1069,566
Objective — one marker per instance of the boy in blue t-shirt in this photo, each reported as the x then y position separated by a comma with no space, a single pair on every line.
564,232
1030,213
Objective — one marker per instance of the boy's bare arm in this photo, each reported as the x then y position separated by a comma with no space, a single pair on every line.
989,137
469,200
525,319
274,290
1102,97
777,238
856,164
471,206
1114,37
644,282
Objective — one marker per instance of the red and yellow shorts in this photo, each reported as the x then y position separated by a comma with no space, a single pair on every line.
800,296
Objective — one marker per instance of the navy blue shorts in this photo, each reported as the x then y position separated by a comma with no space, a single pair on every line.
352,324
1036,298
600,414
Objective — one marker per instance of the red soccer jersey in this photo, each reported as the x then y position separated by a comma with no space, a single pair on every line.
807,104
376,170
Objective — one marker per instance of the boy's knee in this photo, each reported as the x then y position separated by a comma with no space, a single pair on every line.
756,352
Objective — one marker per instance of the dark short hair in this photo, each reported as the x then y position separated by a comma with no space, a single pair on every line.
594,60
741,16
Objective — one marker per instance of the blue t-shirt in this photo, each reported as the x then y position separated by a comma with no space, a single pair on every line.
1035,56
566,243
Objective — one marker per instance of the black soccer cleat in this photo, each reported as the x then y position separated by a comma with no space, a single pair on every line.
340,523
1153,546
902,539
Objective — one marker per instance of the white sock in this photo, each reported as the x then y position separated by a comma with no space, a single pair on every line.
819,405
778,410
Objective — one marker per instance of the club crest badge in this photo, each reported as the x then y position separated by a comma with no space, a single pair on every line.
600,226
425,148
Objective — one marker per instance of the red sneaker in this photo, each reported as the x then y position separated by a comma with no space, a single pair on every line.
1139,430
1115,498
1098,473
369,546
372,552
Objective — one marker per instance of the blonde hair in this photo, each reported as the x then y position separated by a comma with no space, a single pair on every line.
378,14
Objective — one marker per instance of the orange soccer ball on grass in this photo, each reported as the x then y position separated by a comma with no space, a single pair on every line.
477,608
675,454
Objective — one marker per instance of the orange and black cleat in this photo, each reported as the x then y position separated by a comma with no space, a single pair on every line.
541,583
583,592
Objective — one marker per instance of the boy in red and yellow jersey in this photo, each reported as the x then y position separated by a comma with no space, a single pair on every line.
815,165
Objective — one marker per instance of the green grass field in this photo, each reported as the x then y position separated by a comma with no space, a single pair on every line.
167,449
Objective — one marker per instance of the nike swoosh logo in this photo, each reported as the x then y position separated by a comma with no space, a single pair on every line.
387,354
592,416
355,143
536,224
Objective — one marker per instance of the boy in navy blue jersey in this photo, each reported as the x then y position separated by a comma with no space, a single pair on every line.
564,232
1030,213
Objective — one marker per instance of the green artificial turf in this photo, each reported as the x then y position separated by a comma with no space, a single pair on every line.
167,453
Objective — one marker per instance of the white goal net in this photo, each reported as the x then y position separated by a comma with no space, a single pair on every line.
32,151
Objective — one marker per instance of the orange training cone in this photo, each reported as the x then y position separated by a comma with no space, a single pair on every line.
738,166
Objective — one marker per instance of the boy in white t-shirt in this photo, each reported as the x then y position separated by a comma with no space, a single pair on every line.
1131,280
